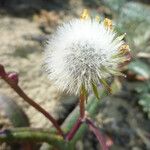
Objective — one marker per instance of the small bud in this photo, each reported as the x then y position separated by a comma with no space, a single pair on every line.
13,77
2,71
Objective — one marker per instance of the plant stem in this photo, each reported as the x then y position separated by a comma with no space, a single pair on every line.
97,133
82,106
30,135
22,94
92,107
74,129
80,120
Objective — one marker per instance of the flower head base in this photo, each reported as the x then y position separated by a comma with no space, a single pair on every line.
83,53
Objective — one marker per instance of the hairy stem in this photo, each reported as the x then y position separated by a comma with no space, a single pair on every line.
22,94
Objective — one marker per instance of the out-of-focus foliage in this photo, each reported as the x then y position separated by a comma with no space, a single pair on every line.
114,5
140,69
145,102
133,18
14,113
144,96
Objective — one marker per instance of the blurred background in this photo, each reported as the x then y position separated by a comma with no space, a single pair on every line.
123,116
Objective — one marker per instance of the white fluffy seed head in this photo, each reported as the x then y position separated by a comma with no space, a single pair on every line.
82,53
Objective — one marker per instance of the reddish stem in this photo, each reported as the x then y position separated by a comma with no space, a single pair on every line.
97,133
2,71
21,93
74,129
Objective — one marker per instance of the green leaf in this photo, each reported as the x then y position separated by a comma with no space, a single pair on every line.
119,38
134,19
106,86
140,68
143,91
116,86
114,5
141,88
15,114
94,87
145,103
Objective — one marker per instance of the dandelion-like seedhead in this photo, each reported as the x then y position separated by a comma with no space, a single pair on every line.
83,53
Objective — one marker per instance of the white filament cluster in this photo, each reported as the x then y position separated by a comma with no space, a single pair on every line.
78,53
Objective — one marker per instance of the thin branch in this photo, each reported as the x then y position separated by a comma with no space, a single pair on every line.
12,80
97,133
74,129
20,92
